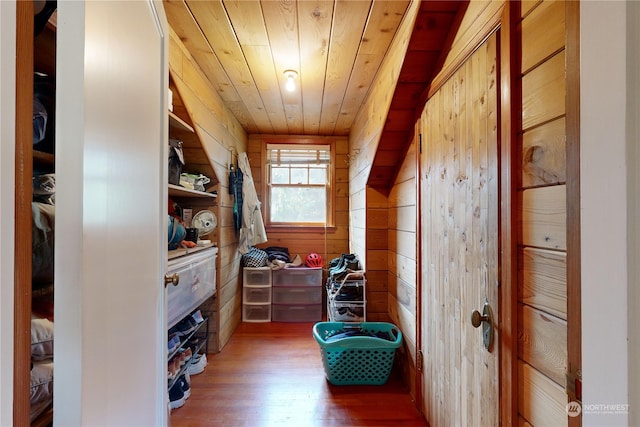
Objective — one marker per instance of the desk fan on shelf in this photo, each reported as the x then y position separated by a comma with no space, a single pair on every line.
205,221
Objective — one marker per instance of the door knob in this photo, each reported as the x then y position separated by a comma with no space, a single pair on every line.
486,320
173,279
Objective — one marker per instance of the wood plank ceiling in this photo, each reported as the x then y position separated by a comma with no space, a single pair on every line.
336,48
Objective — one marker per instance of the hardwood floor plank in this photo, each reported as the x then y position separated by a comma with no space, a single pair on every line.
270,374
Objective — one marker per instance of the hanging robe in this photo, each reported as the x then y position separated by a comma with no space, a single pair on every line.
252,231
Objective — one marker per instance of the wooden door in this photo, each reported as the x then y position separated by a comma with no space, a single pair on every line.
459,204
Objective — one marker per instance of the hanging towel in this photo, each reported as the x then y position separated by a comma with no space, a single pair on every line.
252,231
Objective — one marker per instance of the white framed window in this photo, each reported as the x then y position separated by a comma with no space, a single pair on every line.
299,185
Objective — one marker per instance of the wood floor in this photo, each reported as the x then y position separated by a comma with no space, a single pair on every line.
270,374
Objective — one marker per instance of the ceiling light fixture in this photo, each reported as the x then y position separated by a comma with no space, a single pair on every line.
291,80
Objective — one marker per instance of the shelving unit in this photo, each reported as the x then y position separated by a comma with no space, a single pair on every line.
202,343
346,299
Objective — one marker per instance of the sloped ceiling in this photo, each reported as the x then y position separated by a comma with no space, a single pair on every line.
336,48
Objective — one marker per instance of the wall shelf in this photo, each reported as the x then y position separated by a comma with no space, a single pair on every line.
177,191
178,123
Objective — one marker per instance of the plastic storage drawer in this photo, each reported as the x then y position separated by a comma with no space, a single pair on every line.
297,313
197,273
297,277
253,295
256,276
297,295
256,313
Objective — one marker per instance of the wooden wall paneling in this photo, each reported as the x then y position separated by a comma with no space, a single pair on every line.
377,238
543,342
542,33
378,280
528,6
358,217
403,218
404,194
543,154
230,316
403,243
377,259
481,19
543,284
220,137
540,400
403,267
543,92
544,221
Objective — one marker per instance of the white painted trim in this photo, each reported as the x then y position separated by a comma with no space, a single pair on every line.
7,203
633,164
603,187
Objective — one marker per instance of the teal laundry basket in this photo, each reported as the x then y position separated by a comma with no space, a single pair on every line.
357,353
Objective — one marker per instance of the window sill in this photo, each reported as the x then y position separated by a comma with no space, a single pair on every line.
298,228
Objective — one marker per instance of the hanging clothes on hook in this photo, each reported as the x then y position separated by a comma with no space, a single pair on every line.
235,188
252,231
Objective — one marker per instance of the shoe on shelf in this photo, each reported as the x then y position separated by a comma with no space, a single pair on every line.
185,354
197,316
173,343
184,385
176,397
197,364
185,326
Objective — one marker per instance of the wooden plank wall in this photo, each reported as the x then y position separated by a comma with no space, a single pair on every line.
221,138
369,209
401,276
542,296
330,243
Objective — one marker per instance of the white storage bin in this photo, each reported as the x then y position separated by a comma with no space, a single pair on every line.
256,276
297,313
297,295
256,312
197,273
254,295
298,277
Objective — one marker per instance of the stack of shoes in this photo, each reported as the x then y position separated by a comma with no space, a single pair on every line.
339,267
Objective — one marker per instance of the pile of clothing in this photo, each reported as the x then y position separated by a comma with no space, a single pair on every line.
275,257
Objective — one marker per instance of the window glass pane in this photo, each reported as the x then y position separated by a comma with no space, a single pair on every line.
299,176
298,204
318,176
279,175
